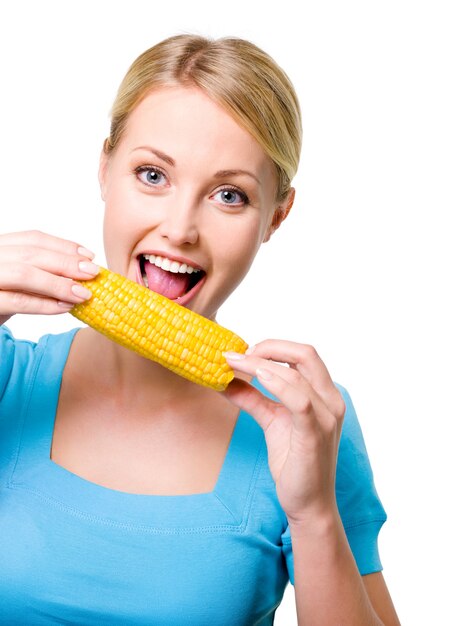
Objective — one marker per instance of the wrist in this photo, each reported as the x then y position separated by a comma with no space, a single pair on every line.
318,522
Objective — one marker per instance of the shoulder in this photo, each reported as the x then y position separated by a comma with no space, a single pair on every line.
351,433
350,411
14,356
353,459
20,358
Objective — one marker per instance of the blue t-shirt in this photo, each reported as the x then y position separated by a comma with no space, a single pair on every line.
74,552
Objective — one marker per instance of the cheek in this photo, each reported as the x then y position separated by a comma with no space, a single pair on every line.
242,255
115,215
118,230
237,251
125,205
113,237
121,196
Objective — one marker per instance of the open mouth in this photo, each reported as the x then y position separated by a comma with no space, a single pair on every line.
172,279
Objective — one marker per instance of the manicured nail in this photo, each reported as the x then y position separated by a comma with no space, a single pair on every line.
81,292
88,268
250,350
84,252
65,305
264,374
234,356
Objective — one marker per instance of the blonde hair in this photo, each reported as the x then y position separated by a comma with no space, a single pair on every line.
236,74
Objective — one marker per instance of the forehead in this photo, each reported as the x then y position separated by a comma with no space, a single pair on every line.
186,122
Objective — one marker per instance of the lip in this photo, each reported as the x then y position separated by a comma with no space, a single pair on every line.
172,257
183,300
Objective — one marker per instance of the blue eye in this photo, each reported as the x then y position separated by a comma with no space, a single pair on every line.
149,175
229,196
153,177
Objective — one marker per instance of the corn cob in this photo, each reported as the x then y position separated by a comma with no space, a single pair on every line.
159,329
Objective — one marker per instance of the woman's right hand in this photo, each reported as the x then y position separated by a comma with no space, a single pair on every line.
38,273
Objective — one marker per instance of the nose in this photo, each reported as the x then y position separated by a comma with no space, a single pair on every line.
179,222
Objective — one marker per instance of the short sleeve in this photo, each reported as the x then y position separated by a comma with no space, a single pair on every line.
7,356
17,364
359,505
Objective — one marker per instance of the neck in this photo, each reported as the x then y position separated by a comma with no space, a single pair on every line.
136,380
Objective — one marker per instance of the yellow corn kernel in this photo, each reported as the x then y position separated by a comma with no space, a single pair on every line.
159,329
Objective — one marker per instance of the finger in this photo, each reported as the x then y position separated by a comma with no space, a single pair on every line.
71,265
301,356
306,406
44,240
12,302
249,399
306,360
251,364
295,392
22,280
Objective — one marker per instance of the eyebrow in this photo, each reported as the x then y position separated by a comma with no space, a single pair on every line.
220,174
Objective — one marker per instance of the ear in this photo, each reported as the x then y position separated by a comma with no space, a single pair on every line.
280,214
102,172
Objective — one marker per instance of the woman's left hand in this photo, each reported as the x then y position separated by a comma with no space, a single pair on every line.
302,430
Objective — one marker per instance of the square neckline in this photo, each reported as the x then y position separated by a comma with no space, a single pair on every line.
53,422
83,497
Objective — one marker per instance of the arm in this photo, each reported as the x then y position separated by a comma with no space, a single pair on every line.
302,431
328,586
380,598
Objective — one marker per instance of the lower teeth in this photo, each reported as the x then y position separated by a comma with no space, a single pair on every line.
145,279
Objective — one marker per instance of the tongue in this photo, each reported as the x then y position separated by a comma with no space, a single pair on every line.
167,284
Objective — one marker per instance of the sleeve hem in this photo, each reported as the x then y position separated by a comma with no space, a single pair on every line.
363,541
375,520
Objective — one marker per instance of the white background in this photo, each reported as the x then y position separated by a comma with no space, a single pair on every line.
372,265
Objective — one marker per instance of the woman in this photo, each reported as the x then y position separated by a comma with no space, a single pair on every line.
130,495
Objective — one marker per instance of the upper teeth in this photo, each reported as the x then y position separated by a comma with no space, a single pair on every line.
170,266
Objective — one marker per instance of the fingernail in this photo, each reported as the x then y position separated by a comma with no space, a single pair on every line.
264,374
65,305
81,292
250,350
234,356
84,252
88,268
